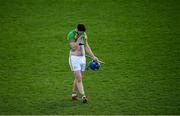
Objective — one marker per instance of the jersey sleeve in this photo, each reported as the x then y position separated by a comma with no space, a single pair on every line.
85,37
70,36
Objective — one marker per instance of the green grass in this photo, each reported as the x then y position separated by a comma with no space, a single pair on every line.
138,40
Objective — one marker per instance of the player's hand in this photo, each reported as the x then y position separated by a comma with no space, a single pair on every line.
80,38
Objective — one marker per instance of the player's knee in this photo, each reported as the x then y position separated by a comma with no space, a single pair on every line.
79,80
78,77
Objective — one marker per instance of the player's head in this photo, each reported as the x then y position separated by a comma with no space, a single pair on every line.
81,28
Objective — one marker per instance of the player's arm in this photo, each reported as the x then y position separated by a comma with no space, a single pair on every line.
73,45
89,51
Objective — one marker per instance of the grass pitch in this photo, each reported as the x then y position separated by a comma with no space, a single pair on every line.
138,40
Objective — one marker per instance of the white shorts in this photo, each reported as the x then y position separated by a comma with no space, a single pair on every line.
77,63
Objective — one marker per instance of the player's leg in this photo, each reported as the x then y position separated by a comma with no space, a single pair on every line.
83,67
84,98
74,91
82,73
78,81
73,64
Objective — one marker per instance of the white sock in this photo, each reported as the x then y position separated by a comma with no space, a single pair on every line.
74,94
83,95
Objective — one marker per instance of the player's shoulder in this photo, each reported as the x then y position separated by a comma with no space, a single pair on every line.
85,35
71,34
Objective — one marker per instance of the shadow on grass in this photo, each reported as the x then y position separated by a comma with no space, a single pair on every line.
61,106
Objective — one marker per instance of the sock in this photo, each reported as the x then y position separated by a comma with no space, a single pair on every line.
83,94
74,93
